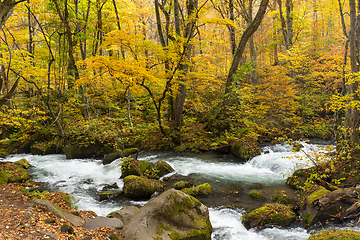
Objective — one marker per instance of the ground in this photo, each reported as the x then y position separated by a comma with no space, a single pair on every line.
20,218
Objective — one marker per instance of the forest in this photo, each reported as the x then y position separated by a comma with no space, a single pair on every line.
182,75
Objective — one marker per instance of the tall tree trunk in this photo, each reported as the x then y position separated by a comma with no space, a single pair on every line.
352,113
231,28
240,50
188,35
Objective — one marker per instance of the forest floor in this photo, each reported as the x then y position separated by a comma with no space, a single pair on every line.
21,218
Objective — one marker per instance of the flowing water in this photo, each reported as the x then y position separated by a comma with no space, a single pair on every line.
85,178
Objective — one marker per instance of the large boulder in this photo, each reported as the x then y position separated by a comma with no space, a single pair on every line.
13,172
298,179
171,215
245,150
109,158
322,204
135,167
90,151
160,168
269,214
139,187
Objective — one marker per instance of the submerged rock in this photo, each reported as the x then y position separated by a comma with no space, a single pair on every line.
109,195
139,187
171,215
273,214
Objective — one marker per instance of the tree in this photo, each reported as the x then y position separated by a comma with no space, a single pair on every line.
352,113
253,26
6,9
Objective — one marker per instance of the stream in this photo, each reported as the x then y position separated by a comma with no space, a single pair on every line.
85,179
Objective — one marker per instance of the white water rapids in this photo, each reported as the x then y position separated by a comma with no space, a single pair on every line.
84,177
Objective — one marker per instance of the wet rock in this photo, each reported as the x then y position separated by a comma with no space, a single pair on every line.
134,167
269,214
109,195
244,150
94,223
161,168
171,215
92,150
109,158
140,188
183,184
129,151
200,190
109,187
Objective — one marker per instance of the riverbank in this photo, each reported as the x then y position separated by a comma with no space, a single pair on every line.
21,218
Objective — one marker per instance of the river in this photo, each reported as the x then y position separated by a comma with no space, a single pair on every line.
85,178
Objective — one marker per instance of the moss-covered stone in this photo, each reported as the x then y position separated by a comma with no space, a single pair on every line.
311,213
109,158
139,187
183,184
24,163
200,190
256,194
171,215
272,214
159,169
135,167
129,151
336,234
109,195
14,172
245,150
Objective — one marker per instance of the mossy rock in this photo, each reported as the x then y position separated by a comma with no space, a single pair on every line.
336,234
129,151
200,190
183,184
245,150
270,214
139,187
109,195
171,215
24,163
90,151
135,167
15,173
298,179
256,194
109,158
311,213
159,169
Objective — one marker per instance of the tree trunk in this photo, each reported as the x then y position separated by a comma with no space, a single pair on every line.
240,50
6,9
352,113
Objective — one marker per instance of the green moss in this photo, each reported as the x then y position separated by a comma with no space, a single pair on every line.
282,197
127,152
256,194
139,187
336,234
275,214
3,177
134,167
316,195
182,184
24,163
201,190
